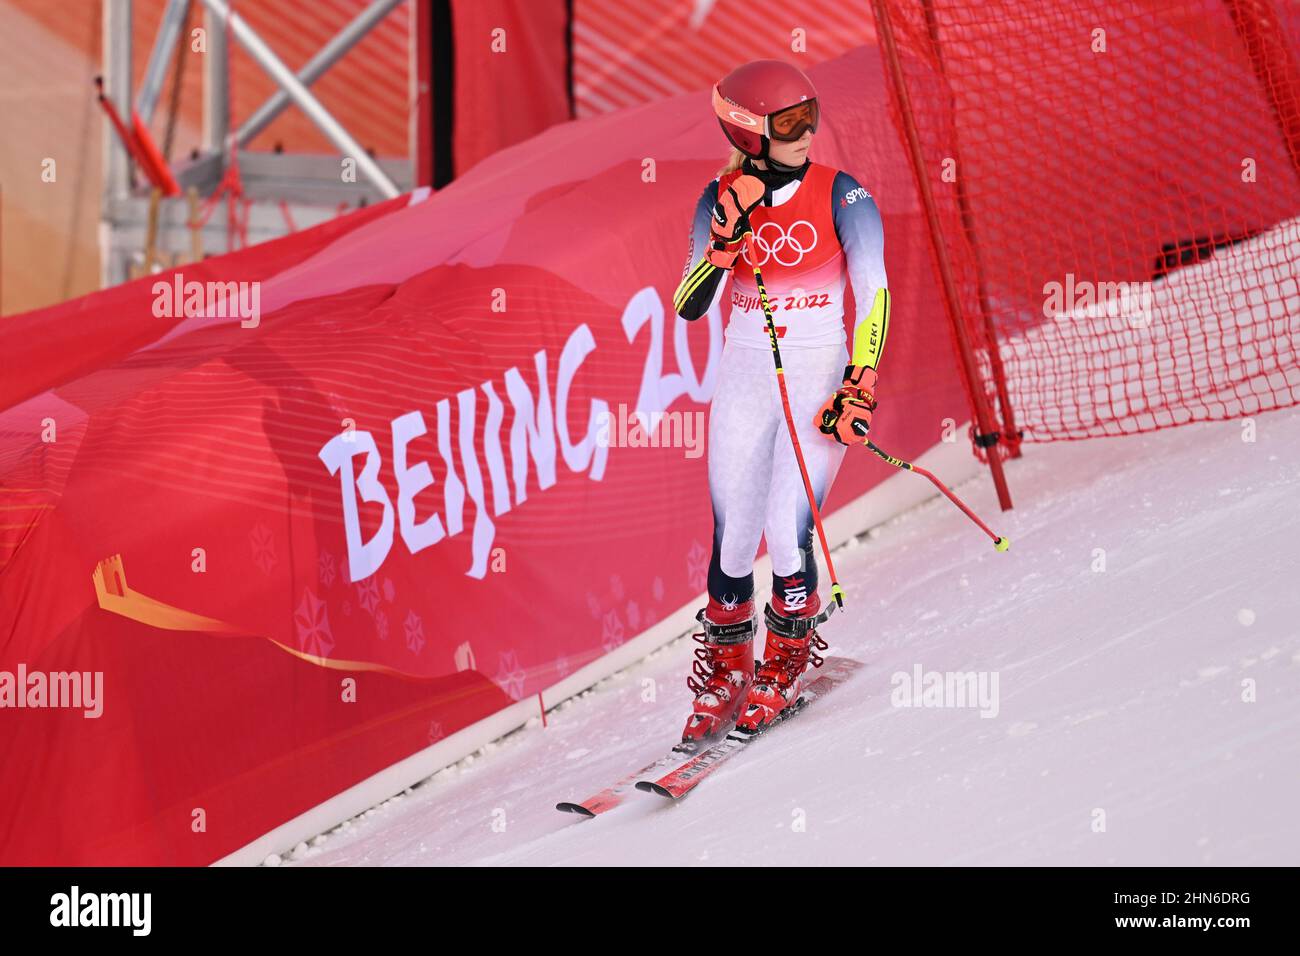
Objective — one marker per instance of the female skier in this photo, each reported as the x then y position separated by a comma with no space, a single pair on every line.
812,227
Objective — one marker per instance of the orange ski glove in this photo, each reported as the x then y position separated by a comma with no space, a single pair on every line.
846,416
731,219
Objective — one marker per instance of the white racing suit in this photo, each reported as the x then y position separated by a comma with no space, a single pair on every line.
810,236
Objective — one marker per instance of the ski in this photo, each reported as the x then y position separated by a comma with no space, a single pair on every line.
614,794
683,779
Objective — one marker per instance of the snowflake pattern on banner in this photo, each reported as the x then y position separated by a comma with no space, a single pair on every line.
435,731
657,589
368,594
381,625
325,565
414,629
593,605
313,626
611,631
262,542
633,616
697,566
390,592
510,675
562,665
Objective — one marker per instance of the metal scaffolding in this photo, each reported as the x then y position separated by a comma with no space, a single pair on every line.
278,191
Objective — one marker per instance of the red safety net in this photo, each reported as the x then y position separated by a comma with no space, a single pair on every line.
1113,191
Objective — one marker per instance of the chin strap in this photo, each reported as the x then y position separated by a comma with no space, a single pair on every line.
777,174
783,169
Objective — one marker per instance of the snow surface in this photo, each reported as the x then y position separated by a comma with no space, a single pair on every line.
1120,691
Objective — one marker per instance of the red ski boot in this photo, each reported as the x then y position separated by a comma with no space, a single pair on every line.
792,644
722,671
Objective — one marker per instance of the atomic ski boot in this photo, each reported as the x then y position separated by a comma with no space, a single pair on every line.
722,670
792,644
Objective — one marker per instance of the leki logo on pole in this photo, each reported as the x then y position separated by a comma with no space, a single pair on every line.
771,241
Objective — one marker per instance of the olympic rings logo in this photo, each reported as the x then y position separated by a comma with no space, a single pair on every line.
787,248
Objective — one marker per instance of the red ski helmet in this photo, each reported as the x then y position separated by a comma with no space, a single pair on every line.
765,100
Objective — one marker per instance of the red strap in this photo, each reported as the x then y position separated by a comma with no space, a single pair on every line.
151,159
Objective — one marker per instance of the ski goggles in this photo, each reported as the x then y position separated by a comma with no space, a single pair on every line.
791,123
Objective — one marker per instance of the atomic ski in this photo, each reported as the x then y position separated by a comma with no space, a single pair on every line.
613,795
683,779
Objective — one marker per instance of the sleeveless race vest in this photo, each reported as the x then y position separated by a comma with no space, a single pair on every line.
799,254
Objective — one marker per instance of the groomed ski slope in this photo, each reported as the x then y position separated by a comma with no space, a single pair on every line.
1120,691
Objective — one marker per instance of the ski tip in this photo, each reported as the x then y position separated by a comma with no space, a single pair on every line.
648,786
577,808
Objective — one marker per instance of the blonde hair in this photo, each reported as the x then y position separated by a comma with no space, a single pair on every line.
733,162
